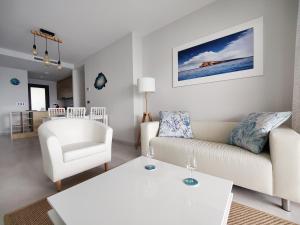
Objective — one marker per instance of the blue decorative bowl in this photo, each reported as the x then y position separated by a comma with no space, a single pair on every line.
150,167
190,181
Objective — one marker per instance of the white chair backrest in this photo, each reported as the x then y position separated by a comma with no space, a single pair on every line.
97,111
76,112
56,112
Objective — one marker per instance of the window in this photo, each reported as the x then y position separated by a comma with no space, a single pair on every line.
38,97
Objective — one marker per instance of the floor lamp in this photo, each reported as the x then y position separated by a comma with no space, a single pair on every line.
146,85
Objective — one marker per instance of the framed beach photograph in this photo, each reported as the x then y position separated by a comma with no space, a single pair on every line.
233,53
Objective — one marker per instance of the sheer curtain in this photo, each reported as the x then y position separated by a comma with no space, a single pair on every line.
296,90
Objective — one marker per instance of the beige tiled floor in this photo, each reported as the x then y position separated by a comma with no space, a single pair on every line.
22,180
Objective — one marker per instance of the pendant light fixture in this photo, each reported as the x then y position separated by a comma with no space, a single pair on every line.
46,56
59,66
48,35
34,51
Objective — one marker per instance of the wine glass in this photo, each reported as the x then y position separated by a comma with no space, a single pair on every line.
150,156
191,165
150,152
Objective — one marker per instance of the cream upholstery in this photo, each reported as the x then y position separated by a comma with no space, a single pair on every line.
277,173
71,146
285,156
80,150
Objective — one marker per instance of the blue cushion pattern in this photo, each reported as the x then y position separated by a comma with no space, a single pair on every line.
252,132
175,124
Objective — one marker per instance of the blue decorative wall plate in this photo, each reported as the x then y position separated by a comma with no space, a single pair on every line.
15,81
100,81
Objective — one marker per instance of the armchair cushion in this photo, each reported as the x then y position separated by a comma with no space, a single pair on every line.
81,150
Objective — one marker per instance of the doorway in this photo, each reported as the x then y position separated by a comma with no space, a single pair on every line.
38,97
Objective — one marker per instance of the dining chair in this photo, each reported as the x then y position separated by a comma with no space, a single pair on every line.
52,112
76,112
99,114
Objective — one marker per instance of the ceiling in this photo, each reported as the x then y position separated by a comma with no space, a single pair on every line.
85,26
36,70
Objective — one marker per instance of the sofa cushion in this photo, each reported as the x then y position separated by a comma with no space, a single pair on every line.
175,124
253,171
81,150
252,132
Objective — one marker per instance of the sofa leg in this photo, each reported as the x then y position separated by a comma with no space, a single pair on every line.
105,167
286,205
58,185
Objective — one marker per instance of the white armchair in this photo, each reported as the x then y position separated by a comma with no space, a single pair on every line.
71,146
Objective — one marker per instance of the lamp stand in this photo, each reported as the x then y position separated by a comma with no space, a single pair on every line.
146,115
146,118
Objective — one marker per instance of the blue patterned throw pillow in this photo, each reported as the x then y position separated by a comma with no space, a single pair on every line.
252,132
175,124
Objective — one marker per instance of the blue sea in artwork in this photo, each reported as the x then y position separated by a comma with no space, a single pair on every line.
225,67
226,54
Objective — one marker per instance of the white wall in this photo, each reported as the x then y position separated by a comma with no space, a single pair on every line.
137,61
115,61
10,95
78,87
226,100
296,90
52,90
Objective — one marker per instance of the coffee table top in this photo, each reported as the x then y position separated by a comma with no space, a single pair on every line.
131,195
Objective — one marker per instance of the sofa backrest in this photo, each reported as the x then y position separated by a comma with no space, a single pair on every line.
212,130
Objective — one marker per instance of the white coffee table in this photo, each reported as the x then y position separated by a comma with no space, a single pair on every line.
131,195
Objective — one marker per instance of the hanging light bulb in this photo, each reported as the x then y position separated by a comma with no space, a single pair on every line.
34,51
46,56
59,66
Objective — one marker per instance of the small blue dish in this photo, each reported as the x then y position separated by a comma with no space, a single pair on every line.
150,167
190,181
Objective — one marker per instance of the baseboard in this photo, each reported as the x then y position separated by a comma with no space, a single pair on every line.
4,133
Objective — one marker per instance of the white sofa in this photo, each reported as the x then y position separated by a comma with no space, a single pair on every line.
275,173
71,146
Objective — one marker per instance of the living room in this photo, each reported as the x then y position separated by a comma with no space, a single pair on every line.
201,95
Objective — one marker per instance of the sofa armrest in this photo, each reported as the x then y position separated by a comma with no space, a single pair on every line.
285,156
149,130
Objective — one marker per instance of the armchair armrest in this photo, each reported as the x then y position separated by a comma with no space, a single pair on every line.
285,156
149,130
51,152
104,134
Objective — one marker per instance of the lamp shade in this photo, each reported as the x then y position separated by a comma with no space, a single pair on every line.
146,84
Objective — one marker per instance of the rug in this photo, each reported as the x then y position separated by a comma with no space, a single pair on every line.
36,214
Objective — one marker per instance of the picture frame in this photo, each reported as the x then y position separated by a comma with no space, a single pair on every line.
233,53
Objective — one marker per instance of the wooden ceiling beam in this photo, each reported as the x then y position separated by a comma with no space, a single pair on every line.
52,38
